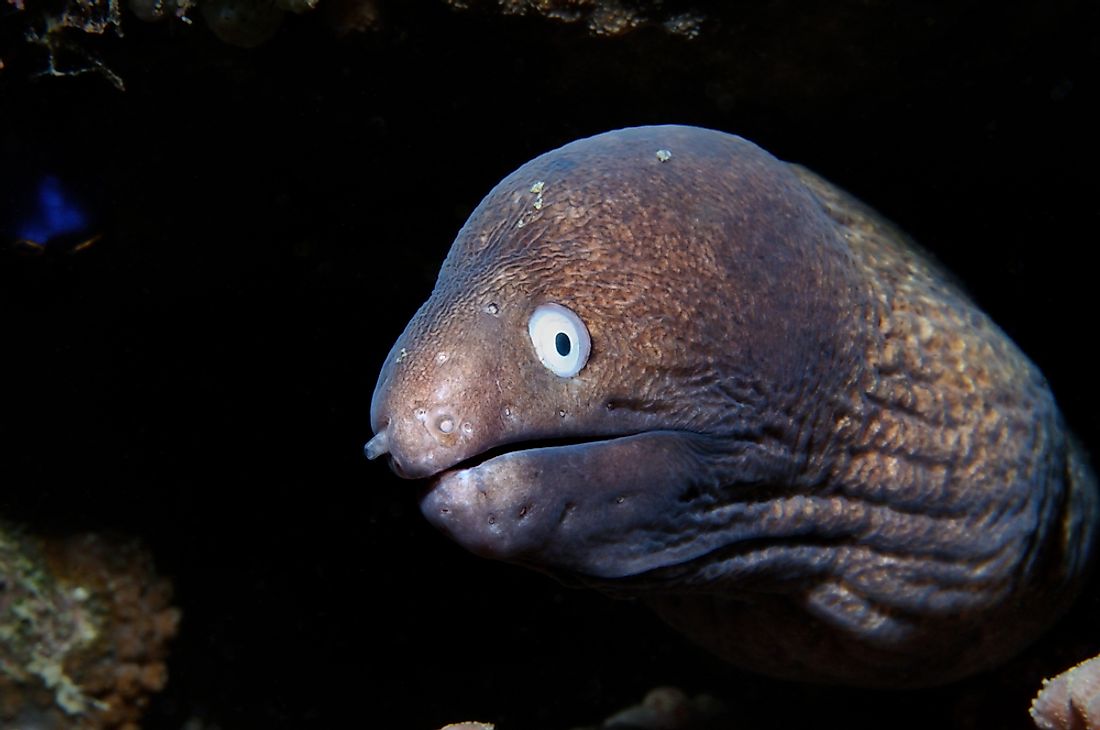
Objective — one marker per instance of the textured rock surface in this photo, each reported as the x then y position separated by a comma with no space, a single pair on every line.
1070,701
84,630
600,17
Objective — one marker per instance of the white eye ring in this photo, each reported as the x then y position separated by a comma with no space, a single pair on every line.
560,338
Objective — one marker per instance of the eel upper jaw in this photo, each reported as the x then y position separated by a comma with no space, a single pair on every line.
379,446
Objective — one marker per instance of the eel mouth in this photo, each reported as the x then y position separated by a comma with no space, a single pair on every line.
591,505
516,448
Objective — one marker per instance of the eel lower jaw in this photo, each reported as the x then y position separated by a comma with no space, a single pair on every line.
582,506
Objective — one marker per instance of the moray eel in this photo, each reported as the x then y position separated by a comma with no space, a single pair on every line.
665,364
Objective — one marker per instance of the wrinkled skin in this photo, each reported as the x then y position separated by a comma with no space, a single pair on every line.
794,437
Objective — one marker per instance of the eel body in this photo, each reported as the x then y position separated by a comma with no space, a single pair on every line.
663,363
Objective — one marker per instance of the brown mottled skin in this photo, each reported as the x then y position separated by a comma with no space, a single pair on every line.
794,438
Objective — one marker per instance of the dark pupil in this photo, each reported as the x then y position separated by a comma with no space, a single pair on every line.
561,342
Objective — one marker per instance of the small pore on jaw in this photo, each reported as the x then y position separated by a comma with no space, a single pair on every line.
567,512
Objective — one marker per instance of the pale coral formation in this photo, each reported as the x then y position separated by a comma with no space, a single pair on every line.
1071,700
84,628
66,29
61,35
601,17
91,16
152,11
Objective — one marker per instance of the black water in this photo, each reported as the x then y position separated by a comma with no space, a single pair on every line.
200,376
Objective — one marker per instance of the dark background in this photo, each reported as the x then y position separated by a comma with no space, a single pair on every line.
201,376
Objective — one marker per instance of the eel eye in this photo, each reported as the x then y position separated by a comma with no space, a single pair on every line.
560,338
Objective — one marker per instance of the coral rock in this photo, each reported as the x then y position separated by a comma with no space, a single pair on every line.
84,628
1070,701
602,17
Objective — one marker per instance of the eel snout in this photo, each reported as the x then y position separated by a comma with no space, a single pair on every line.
429,412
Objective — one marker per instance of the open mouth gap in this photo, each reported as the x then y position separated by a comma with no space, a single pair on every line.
527,445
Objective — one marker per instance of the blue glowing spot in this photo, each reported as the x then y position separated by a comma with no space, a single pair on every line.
54,214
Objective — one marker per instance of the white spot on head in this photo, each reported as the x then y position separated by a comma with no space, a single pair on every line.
492,308
401,355
440,358
537,190
664,155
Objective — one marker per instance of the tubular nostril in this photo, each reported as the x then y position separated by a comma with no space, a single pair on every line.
377,446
